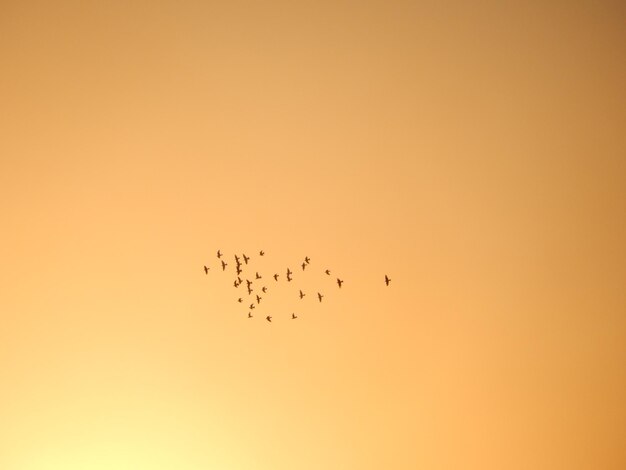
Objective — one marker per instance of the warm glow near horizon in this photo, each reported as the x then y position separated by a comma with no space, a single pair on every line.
475,152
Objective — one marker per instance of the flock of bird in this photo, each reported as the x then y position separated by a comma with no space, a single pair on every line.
238,281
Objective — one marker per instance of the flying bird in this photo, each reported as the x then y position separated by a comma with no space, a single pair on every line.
258,299
264,289
293,316
276,277
236,284
219,254
303,266
257,276
319,296
237,260
327,272
302,294
252,306
268,318
339,282
245,258
239,269
248,282
249,291
239,300
224,265
387,280
307,259
288,274
206,270
249,314
261,253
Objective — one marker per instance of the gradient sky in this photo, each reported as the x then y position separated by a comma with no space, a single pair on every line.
473,151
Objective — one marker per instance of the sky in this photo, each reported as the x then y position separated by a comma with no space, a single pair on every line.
475,152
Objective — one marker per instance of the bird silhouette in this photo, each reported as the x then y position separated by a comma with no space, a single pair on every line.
239,280
258,299
303,266
239,300
327,272
276,277
249,314
319,296
239,269
302,294
248,282
250,290
206,270
252,306
237,260
258,276
236,284
268,318
387,280
339,282
307,259
261,253
293,316
264,289
245,258
289,274
219,254
224,265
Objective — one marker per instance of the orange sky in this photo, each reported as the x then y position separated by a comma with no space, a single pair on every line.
475,152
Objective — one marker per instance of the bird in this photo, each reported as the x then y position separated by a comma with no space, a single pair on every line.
339,282
239,300
206,270
327,272
319,296
245,258
257,276
237,260
293,316
219,254
248,282
268,318
264,289
276,277
252,306
236,284
239,269
249,290
289,274
239,280
387,280
303,266
307,260
302,294
261,253
249,314
258,299
224,265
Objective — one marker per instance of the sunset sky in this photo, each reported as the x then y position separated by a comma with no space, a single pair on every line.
475,152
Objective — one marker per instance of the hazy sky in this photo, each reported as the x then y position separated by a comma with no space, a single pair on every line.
473,151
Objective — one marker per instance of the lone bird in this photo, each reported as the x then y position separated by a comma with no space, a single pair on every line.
319,296
303,266
339,282
387,280
289,273
261,253
258,276
276,277
258,299
219,254
224,265
249,314
264,289
236,284
206,270
245,258
252,306
239,300
302,294
327,272
293,316
268,318
307,259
